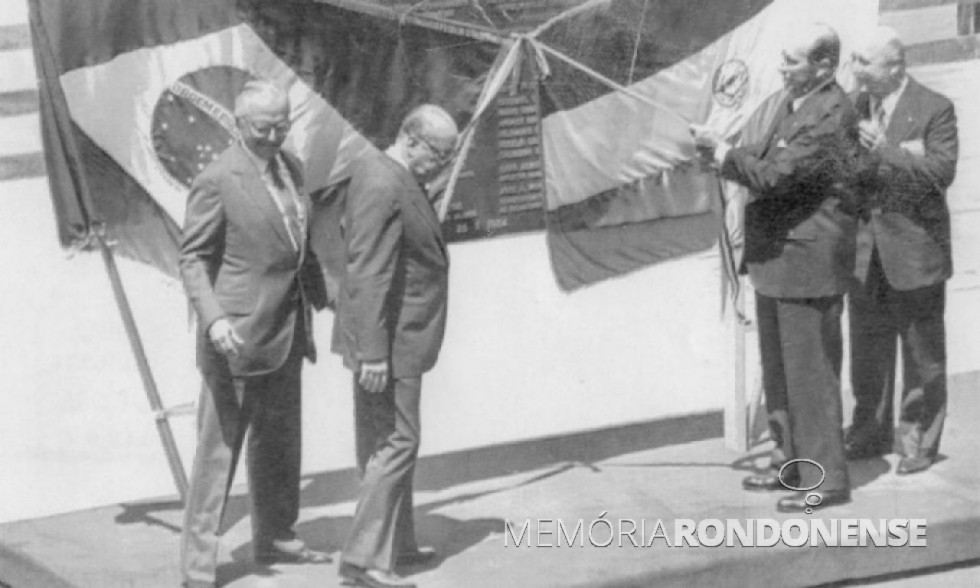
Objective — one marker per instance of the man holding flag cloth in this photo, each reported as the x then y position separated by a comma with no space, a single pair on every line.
799,252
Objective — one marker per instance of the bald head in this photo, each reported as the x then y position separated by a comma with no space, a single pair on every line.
430,122
883,42
879,61
810,58
822,43
426,140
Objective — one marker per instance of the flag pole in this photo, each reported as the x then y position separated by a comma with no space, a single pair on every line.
736,415
160,414
736,425
52,97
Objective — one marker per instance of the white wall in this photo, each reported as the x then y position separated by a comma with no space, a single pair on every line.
524,360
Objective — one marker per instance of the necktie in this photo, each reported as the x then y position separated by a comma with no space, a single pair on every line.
287,204
274,172
878,113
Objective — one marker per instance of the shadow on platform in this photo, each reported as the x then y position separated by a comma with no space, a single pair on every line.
664,471
438,472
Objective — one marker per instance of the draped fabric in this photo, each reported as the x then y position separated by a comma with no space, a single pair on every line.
575,112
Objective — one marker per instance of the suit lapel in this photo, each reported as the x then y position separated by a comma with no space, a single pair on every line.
428,213
253,188
296,174
813,102
787,125
902,120
782,113
416,194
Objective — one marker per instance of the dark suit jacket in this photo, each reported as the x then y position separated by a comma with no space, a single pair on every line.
800,221
236,261
906,216
394,284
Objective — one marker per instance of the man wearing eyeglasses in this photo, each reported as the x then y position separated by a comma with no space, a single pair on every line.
389,325
252,279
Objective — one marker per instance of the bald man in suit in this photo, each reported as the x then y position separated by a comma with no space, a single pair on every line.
389,326
800,227
903,258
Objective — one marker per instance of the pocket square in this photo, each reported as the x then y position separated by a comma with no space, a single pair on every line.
915,147
781,144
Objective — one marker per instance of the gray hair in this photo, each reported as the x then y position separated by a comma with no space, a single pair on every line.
257,95
887,42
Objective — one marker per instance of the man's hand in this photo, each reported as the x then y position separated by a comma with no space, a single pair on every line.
872,136
711,147
224,337
373,376
705,138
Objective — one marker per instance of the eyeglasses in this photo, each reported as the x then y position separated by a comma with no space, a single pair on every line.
264,130
442,155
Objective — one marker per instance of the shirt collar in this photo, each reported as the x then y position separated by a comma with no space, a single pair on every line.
260,164
395,155
798,102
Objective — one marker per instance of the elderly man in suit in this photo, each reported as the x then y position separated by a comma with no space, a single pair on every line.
800,227
391,316
903,258
251,279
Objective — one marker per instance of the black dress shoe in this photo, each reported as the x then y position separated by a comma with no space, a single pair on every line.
292,551
855,451
417,557
797,503
352,574
864,443
913,465
768,482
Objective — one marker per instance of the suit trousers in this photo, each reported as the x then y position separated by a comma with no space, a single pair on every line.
388,435
879,316
801,346
268,408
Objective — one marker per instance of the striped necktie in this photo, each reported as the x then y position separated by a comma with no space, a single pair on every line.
287,204
878,114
